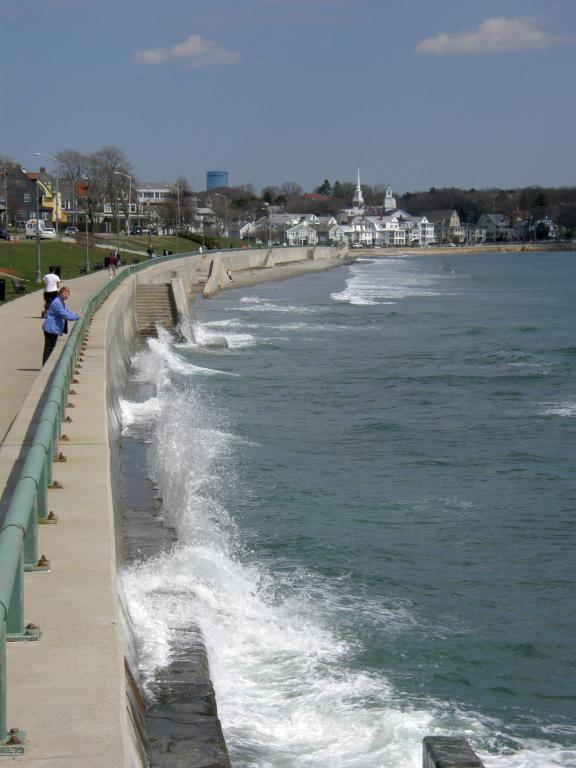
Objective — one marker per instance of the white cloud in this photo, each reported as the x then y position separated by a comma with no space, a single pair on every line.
196,51
499,34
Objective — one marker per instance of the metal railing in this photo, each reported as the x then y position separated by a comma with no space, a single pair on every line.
28,504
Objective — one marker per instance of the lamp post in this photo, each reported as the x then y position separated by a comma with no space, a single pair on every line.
267,206
217,194
38,268
87,241
57,203
178,218
127,176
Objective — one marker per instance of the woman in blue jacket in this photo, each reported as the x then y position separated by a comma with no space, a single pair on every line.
55,323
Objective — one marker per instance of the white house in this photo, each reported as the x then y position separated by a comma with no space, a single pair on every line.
303,233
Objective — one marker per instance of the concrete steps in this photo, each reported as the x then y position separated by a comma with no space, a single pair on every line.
155,304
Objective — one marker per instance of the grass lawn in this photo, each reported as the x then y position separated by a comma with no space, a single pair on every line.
19,259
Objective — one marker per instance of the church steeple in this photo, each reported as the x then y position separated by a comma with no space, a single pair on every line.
358,200
389,199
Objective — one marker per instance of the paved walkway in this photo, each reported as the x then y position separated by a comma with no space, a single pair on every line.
67,691
23,341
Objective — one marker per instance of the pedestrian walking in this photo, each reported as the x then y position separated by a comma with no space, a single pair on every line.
51,285
112,261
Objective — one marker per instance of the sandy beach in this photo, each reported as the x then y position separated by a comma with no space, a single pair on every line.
255,276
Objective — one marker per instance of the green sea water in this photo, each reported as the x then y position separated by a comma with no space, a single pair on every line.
373,490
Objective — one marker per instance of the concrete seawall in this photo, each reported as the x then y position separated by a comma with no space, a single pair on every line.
76,692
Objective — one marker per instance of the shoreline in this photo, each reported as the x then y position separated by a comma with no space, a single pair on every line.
444,250
258,275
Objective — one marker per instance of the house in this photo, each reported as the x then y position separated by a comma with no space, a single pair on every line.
328,232
538,229
302,233
496,226
474,234
397,228
447,226
21,190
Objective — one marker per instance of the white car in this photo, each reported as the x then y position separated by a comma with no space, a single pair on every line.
48,233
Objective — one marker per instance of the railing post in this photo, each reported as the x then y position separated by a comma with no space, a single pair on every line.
42,494
11,742
15,618
31,538
3,708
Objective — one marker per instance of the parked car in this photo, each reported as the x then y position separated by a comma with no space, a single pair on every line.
5,235
136,231
71,231
48,233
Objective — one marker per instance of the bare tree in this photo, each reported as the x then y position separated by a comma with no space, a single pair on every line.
178,207
291,189
111,186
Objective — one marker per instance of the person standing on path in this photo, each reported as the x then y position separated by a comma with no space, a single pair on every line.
51,285
112,261
55,323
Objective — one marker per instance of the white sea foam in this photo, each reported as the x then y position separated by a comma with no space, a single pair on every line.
385,282
287,692
139,413
257,304
565,408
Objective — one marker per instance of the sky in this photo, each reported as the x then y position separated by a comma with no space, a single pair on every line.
413,93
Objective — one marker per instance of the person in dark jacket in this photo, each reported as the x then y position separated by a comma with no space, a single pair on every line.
55,323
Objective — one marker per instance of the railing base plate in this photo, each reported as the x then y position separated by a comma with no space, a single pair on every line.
13,749
50,519
32,567
29,634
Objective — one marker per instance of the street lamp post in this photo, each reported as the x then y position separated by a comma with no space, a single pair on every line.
267,206
87,240
178,218
127,176
57,203
38,268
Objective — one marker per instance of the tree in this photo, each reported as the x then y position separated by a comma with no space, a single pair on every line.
105,163
270,194
73,167
325,188
177,208
291,189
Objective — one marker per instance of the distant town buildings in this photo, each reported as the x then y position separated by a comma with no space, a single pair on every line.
162,206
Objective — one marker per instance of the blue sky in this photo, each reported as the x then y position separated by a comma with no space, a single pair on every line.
416,93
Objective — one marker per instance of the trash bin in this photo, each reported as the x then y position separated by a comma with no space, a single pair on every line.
55,269
2,289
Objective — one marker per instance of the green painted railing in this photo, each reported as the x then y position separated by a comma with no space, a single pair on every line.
28,504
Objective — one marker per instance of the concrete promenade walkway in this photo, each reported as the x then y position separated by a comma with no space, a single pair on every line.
66,691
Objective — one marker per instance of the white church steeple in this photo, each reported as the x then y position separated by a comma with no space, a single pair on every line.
389,199
358,200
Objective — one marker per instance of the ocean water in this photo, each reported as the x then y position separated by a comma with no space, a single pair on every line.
370,474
